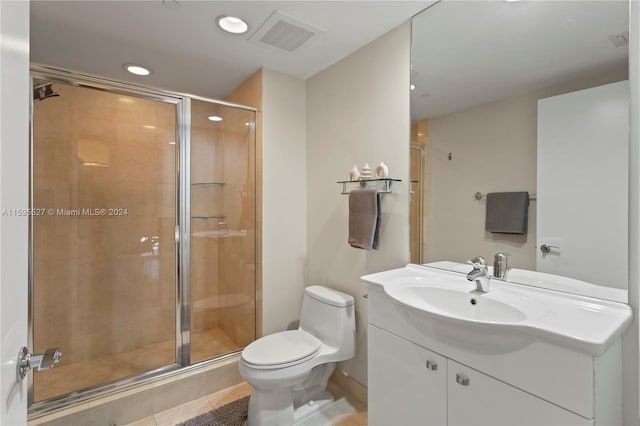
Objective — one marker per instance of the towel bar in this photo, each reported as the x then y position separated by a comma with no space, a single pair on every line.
479,196
386,187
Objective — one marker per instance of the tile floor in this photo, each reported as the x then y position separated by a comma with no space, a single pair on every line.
72,377
345,411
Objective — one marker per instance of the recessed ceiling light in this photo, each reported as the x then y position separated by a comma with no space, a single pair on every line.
126,100
172,143
137,69
149,126
412,87
247,124
232,25
215,118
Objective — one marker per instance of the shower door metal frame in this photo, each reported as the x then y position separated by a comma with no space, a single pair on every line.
182,101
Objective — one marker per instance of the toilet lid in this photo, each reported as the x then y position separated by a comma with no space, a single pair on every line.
281,348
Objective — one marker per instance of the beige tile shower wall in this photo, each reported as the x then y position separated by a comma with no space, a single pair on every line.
206,200
223,249
237,256
493,148
248,318
97,288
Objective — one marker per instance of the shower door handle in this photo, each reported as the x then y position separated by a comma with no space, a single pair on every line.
42,362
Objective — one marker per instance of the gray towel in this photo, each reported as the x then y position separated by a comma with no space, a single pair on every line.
364,218
507,212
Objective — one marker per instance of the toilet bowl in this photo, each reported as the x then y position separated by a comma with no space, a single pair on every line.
289,370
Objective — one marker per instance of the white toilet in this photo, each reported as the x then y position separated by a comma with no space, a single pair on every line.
289,370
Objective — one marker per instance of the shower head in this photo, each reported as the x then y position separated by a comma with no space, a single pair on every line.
43,89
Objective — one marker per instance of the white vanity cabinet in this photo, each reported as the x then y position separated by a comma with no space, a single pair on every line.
410,385
407,380
477,399
429,370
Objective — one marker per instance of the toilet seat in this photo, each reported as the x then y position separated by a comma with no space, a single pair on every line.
280,350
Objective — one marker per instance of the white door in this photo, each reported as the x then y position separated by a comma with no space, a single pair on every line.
14,185
582,207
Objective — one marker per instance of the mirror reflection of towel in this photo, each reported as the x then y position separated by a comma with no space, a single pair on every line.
507,212
364,218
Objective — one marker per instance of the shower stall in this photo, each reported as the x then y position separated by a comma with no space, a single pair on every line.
142,233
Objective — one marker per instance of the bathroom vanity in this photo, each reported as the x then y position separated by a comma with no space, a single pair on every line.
441,353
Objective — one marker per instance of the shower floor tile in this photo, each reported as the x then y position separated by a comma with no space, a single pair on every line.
73,377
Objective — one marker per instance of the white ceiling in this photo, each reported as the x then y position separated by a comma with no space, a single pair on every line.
466,53
184,47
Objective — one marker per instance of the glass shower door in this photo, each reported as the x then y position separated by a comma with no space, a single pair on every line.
223,229
103,237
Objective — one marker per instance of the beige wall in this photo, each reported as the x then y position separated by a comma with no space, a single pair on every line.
282,213
493,149
357,112
284,191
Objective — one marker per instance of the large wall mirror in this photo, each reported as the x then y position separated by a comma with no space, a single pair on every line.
523,96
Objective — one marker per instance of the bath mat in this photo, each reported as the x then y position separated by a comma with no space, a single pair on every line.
231,414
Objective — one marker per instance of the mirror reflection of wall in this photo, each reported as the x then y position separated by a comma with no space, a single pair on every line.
479,92
418,190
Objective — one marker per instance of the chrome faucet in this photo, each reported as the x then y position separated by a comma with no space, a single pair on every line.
479,274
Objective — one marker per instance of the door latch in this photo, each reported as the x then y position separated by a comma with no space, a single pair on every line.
42,362
546,248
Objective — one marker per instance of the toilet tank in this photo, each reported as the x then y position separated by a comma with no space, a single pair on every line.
329,315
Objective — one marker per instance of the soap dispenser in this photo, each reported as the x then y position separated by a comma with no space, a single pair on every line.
500,265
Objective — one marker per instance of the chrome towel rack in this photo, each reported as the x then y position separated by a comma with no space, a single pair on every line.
479,196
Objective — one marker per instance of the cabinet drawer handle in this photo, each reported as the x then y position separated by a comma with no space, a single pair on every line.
432,365
464,381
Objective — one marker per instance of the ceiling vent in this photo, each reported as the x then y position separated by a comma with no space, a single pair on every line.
285,32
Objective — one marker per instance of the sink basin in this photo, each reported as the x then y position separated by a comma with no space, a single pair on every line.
445,305
463,305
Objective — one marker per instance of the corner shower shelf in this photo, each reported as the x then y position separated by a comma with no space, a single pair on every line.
386,187
206,184
208,217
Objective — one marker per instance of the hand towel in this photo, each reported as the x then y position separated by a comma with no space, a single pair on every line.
364,218
507,212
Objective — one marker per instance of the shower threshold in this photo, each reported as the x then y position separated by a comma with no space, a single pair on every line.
69,378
